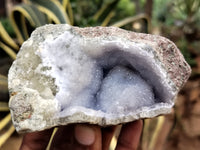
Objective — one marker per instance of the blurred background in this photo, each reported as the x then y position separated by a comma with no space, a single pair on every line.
178,20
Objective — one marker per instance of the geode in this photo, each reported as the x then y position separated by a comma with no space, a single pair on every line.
97,75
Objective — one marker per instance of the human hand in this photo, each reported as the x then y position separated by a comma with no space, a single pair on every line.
84,136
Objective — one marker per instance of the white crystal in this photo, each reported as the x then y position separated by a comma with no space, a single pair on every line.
123,91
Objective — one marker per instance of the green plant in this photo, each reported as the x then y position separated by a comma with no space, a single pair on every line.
182,10
187,10
8,27
31,14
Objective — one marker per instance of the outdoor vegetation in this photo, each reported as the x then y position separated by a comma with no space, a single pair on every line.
178,20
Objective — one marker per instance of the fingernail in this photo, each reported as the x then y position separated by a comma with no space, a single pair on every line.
84,134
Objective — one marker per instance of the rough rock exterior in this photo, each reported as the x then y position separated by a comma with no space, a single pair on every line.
97,75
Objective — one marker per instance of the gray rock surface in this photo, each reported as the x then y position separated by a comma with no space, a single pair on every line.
97,75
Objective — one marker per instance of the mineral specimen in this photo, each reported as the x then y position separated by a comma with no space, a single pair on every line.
97,75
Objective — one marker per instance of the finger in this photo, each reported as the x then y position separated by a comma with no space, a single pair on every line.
130,136
97,145
89,135
107,134
63,138
85,134
36,140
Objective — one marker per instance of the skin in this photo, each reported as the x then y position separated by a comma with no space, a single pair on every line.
85,137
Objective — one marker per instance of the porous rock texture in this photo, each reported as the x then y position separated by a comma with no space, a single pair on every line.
97,75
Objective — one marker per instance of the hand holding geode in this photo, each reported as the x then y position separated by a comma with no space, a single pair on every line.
97,75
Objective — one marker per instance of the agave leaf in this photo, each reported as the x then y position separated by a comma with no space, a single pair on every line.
154,139
145,133
51,139
24,27
67,7
64,3
53,9
6,38
20,14
8,50
60,1
4,107
2,77
100,12
7,133
26,1
113,143
70,12
128,20
108,18
3,81
38,17
16,20
3,93
3,85
5,121
105,9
